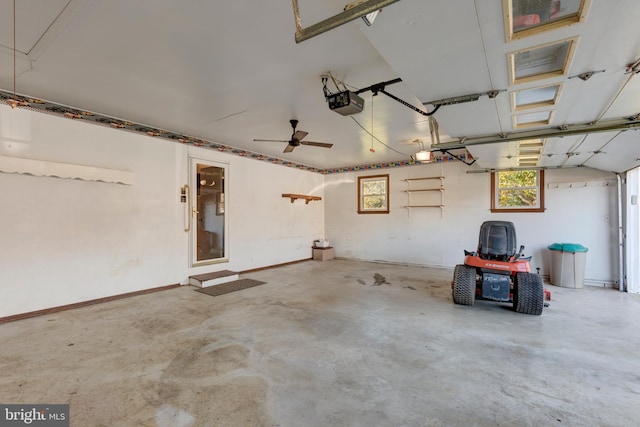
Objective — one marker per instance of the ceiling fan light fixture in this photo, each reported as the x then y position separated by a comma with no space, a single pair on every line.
296,139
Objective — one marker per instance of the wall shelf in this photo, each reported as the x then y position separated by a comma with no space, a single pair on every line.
422,197
306,198
424,189
425,178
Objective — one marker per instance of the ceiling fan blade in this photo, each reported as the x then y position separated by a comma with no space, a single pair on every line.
271,140
317,144
289,148
299,134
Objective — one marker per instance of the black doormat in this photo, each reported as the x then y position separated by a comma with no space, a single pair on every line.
225,288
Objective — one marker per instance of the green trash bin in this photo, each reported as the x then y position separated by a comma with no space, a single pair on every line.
568,262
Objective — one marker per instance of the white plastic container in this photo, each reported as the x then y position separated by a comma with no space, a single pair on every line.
320,244
567,265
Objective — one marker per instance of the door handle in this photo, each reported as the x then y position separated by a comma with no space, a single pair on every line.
187,203
194,211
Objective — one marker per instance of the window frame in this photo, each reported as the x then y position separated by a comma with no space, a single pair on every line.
537,121
539,103
512,60
564,21
495,208
372,178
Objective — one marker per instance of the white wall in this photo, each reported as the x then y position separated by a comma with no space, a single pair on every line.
267,229
66,241
426,236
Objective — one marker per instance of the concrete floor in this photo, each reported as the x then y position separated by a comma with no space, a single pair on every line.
335,343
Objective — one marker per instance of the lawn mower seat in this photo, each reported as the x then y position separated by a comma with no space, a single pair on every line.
497,240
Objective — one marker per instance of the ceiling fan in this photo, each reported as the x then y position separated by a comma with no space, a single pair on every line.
296,139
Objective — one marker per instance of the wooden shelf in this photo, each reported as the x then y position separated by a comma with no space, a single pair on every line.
424,189
306,198
424,178
422,198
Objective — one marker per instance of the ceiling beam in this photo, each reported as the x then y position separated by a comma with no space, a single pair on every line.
335,21
567,130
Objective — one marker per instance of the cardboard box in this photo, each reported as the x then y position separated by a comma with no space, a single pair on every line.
323,254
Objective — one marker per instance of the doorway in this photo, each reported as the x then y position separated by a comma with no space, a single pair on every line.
209,237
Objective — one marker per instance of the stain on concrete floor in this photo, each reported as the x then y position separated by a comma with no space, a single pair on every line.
203,359
329,351
379,279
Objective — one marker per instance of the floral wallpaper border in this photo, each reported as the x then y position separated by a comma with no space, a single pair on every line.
47,107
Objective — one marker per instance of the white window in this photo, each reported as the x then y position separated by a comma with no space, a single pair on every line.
517,191
373,194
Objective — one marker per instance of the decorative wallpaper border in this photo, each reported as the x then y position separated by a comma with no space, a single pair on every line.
398,164
42,106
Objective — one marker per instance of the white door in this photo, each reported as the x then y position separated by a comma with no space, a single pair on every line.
632,232
208,232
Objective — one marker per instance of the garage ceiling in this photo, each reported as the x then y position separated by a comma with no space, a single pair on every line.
231,72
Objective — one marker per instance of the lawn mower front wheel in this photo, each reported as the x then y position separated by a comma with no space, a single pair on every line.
464,285
528,294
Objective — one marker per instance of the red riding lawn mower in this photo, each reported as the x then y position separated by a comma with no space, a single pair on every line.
497,272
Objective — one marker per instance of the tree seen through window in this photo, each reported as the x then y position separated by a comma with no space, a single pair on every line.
517,188
517,191
374,194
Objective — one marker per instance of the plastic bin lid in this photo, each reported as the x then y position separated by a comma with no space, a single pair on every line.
568,247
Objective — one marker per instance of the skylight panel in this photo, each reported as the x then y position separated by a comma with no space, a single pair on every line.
529,152
541,118
527,17
541,62
537,97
